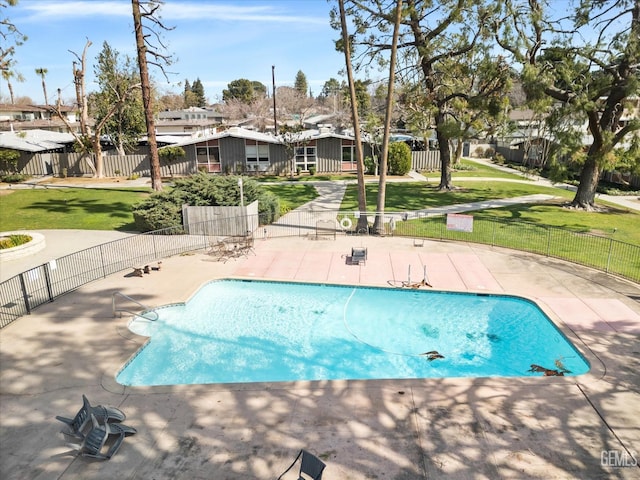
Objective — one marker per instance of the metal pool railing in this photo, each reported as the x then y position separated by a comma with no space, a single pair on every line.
26,291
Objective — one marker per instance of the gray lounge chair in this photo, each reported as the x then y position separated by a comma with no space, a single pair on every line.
358,255
93,443
78,423
310,465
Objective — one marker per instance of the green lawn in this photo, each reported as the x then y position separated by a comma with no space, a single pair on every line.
110,209
422,195
291,195
69,208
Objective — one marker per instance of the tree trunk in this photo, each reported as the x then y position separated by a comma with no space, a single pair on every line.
156,178
97,150
458,156
44,90
363,223
378,224
445,154
586,194
10,87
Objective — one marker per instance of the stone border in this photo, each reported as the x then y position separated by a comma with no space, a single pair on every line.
36,244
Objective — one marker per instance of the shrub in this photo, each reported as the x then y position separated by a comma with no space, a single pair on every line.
164,209
298,170
499,159
369,166
9,160
312,170
15,178
14,240
399,158
489,152
479,152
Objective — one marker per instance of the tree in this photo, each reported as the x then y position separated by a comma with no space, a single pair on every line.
145,11
291,139
11,37
169,101
300,84
331,91
435,41
291,102
170,154
582,70
9,159
7,75
345,45
194,94
243,90
83,139
117,106
81,94
382,185
43,73
361,94
399,158
198,90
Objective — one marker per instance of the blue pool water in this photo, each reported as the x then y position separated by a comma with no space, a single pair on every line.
235,331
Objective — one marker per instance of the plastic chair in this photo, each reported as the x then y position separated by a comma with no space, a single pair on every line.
358,255
104,414
93,443
310,466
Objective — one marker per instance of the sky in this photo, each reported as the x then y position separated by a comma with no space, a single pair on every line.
217,41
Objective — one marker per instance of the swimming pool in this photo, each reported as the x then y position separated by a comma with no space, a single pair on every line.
237,331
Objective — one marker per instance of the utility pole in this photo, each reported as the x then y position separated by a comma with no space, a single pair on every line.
273,82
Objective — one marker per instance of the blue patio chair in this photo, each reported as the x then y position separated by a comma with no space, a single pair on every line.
310,466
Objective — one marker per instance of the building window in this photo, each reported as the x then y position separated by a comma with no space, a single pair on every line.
257,155
306,157
208,156
349,160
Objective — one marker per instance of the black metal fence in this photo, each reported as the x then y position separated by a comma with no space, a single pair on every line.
22,293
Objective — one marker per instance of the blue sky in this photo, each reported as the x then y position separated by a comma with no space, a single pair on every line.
215,40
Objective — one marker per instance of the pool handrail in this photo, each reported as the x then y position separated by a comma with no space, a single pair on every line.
127,297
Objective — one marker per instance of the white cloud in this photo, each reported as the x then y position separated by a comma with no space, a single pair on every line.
48,10
171,10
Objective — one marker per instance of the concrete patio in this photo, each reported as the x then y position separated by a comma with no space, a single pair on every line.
461,428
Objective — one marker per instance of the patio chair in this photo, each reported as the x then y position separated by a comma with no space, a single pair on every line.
310,466
83,417
358,255
93,443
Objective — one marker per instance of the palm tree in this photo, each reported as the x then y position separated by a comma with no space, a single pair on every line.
7,75
43,72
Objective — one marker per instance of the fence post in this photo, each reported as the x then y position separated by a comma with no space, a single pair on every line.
104,270
25,296
493,233
609,255
548,242
47,279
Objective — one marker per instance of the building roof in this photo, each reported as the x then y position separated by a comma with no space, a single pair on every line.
236,132
314,134
35,140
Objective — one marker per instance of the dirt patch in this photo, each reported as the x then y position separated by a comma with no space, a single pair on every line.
84,180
